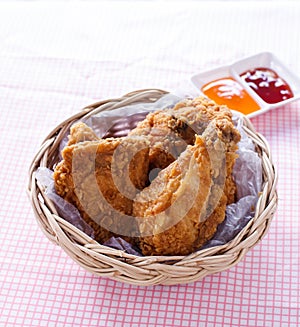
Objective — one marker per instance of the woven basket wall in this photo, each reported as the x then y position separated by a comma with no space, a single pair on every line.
116,264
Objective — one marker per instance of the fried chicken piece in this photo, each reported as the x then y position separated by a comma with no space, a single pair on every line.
171,130
199,113
166,144
80,132
101,178
179,225
172,211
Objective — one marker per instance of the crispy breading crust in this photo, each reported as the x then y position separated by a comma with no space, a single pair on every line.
80,132
187,119
172,210
171,130
183,156
101,178
165,142
198,113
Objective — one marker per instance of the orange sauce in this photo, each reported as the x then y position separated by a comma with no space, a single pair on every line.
227,91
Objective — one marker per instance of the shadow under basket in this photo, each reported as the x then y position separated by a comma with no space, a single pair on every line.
149,270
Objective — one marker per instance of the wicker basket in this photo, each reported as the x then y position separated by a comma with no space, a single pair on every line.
104,261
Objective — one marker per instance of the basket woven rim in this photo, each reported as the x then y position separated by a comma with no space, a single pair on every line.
147,270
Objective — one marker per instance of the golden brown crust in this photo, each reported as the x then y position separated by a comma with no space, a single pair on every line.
200,114
186,120
80,132
165,142
169,132
170,210
170,223
91,176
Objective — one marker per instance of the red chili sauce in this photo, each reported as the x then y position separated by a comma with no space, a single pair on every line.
267,84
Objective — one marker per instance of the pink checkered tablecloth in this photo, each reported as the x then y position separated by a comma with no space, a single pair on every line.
56,58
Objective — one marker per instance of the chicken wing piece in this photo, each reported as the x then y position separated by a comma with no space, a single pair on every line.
171,212
101,178
199,113
166,143
169,132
